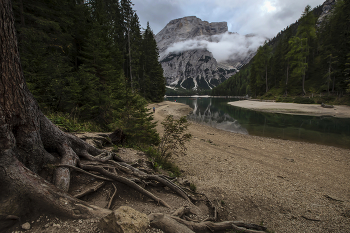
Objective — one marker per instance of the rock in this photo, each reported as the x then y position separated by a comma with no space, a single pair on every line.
196,68
124,220
326,11
26,226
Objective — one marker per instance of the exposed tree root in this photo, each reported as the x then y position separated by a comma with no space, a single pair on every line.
172,224
126,181
90,190
85,172
144,176
112,197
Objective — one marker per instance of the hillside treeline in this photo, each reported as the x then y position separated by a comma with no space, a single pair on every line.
302,59
90,59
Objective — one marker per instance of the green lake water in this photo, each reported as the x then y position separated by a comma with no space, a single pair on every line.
215,112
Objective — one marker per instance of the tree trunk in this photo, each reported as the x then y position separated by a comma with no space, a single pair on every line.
25,137
329,76
267,88
130,61
287,77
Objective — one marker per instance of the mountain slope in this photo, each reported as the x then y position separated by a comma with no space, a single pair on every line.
191,52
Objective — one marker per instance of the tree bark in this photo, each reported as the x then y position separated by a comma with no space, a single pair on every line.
26,136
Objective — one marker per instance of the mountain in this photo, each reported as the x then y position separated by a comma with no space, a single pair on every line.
193,53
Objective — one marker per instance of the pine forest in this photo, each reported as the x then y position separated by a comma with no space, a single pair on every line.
89,61
305,60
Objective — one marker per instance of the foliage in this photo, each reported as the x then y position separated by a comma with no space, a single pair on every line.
193,187
237,85
90,61
135,121
68,123
304,59
174,137
160,162
303,100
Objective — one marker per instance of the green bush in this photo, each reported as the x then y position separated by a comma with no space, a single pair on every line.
174,137
304,100
285,99
160,162
136,122
68,123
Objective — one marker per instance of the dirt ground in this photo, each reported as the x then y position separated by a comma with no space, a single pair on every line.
295,109
287,186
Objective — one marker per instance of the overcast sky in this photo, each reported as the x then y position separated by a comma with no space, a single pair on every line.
263,17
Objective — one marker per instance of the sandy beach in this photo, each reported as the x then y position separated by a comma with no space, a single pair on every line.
287,186
295,109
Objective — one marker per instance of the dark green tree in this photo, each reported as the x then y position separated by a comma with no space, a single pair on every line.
152,81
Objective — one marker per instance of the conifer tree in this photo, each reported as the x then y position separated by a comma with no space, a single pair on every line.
307,33
152,82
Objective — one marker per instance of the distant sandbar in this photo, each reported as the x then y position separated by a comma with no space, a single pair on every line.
340,111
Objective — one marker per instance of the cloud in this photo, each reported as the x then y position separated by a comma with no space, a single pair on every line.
223,47
264,17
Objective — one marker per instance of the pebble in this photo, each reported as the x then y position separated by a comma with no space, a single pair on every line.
26,226
56,225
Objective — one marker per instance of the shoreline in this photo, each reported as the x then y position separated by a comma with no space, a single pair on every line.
339,111
276,182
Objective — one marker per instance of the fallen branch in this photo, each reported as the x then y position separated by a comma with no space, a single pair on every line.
90,190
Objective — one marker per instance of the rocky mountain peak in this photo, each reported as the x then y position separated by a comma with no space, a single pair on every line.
187,28
185,58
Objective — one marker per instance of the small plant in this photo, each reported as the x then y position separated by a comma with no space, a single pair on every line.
222,202
174,137
162,163
115,148
193,187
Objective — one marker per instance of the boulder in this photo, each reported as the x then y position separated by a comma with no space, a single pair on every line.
124,220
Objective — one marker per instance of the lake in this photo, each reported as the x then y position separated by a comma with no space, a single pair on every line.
215,112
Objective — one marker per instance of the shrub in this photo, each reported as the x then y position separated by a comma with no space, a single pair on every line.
136,122
174,137
160,162
68,123
303,100
285,99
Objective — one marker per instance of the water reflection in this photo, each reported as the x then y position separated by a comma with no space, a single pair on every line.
217,113
210,116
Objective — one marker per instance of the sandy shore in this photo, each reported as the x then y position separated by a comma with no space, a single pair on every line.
295,109
287,186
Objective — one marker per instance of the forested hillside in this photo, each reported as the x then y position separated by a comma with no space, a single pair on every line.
301,60
90,59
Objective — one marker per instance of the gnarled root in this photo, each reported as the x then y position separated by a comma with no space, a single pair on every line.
172,224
